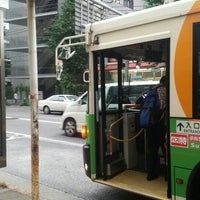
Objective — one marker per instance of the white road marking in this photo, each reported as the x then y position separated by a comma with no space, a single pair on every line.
16,135
27,119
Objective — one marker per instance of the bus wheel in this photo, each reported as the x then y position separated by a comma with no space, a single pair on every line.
193,186
70,127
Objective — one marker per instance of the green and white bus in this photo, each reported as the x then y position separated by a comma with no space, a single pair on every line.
169,37
144,46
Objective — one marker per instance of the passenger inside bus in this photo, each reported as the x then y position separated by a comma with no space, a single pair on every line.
156,135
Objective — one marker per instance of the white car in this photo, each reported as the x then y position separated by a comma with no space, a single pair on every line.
74,116
56,103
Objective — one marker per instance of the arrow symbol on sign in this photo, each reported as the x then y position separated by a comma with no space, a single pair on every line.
180,126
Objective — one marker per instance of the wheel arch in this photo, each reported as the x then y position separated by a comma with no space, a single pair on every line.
45,106
48,109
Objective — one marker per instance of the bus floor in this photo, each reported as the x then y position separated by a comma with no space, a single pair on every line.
135,181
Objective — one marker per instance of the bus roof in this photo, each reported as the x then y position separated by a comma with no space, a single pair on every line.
145,16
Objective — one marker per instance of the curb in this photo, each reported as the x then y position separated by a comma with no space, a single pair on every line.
21,189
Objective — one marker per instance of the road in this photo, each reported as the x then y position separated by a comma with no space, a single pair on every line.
61,163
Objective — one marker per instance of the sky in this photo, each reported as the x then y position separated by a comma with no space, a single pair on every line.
4,3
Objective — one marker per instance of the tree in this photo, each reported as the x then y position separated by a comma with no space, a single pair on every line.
7,67
8,86
63,26
153,3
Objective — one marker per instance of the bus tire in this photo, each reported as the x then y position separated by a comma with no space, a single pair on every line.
193,192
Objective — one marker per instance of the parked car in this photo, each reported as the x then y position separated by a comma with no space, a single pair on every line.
74,116
56,103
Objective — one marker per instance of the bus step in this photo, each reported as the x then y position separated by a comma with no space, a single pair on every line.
114,167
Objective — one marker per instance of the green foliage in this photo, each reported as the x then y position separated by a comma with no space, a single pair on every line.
73,72
22,91
153,3
9,92
64,26
7,68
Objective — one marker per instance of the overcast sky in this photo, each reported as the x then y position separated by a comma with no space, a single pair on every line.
4,3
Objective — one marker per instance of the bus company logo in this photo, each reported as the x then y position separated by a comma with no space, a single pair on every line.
179,140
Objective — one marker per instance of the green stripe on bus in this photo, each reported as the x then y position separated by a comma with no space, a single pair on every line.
90,120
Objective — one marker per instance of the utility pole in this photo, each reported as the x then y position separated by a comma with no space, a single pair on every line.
2,96
33,99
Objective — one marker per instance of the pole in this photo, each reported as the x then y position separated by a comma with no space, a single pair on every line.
2,96
33,99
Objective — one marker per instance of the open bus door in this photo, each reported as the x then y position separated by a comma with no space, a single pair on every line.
120,144
110,110
2,99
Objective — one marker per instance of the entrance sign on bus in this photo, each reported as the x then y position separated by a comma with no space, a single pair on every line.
187,134
184,126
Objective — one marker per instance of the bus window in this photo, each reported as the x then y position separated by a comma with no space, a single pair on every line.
196,68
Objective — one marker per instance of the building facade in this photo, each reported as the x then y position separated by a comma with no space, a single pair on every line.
16,45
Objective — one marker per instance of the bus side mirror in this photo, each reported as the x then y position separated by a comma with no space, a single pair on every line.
66,53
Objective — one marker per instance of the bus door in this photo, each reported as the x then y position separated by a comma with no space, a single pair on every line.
111,100
116,124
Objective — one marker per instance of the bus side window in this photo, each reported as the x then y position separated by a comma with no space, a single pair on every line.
196,70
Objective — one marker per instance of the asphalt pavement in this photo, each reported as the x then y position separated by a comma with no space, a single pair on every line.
15,188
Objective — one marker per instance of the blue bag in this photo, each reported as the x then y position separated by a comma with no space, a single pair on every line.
150,112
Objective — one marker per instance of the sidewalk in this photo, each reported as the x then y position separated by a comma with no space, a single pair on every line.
11,194
16,188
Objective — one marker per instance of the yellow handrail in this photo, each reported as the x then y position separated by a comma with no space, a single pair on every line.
120,140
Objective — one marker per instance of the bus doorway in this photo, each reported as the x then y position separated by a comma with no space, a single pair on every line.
121,144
